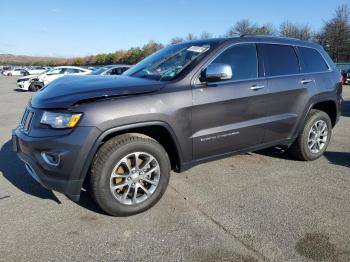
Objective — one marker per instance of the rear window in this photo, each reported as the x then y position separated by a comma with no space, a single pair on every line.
312,60
279,59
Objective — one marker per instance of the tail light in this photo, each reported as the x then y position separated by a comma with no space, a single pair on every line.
342,80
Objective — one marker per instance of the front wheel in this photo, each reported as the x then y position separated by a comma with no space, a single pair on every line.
33,87
314,138
130,173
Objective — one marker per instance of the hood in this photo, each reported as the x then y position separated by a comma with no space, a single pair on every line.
69,90
27,77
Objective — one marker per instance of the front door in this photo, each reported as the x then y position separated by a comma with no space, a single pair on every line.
230,115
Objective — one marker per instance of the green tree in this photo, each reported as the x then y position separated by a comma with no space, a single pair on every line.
152,47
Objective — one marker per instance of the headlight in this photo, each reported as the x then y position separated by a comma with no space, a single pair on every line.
60,120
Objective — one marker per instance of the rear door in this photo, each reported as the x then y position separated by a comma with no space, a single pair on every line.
288,90
313,65
229,115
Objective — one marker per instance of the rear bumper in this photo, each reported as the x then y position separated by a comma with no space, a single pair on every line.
67,175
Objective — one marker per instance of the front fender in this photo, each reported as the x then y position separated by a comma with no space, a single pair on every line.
128,128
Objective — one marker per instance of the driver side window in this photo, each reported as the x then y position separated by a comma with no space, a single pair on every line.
243,61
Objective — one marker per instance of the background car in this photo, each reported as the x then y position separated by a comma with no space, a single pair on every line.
29,83
36,70
110,70
4,68
14,72
345,71
60,71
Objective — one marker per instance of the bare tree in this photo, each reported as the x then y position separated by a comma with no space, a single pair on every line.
205,35
190,36
335,35
245,27
176,40
242,27
294,30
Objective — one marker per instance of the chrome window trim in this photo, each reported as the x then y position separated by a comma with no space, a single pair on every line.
325,60
196,76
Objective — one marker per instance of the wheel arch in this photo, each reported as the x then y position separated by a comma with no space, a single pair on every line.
158,130
320,104
329,107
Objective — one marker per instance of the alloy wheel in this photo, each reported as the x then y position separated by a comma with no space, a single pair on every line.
317,136
135,178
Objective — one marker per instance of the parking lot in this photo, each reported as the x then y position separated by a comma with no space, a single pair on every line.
261,206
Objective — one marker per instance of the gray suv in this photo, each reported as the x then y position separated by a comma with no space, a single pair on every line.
120,136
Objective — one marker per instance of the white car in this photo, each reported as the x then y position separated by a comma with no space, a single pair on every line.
60,71
14,72
25,83
36,70
110,70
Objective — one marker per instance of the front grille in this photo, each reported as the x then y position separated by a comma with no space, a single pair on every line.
26,120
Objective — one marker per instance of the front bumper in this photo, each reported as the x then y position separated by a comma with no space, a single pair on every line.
23,85
67,176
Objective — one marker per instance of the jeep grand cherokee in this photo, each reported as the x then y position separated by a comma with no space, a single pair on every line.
187,104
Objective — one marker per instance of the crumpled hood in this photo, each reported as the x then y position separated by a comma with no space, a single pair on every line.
24,78
69,90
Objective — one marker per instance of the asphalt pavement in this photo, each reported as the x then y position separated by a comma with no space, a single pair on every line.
261,206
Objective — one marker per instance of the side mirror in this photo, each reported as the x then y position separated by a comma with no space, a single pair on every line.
217,72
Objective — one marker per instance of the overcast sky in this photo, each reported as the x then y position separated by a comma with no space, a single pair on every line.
78,28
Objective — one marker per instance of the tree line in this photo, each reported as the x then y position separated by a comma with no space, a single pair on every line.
334,36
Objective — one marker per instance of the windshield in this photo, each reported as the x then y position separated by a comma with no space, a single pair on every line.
167,63
47,70
99,71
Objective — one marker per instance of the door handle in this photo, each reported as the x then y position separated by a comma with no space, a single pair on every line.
306,81
256,87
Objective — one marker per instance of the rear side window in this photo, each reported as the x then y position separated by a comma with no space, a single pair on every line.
242,59
72,71
279,59
312,60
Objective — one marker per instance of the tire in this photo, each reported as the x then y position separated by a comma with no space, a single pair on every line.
300,149
9,74
107,162
33,88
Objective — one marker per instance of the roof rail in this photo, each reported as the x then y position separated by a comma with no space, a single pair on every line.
273,36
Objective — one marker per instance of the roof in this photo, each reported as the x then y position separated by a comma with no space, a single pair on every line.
255,38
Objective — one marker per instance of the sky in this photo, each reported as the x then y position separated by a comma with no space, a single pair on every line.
68,28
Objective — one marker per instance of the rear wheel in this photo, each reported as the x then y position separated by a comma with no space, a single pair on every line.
314,138
130,173
9,74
